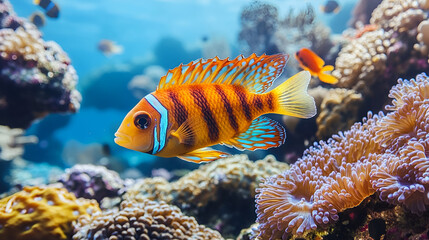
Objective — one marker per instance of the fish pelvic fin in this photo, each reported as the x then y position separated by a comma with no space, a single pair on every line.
293,98
203,155
326,77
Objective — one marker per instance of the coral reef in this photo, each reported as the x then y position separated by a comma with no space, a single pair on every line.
12,142
92,182
263,31
338,110
371,61
42,213
206,193
142,220
36,77
385,154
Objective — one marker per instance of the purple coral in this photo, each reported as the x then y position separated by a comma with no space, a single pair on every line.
36,77
386,154
92,182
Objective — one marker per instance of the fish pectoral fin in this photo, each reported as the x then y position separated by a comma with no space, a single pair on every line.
184,133
264,133
327,68
203,155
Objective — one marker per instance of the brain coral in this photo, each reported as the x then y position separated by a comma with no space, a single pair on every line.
218,193
144,220
42,213
385,154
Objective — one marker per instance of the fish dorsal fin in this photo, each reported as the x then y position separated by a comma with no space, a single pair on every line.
264,133
203,155
254,73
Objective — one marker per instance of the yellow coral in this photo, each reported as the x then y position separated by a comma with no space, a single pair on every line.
42,213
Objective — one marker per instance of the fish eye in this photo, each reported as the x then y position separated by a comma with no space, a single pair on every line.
142,120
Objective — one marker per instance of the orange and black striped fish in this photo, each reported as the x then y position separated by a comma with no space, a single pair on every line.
51,9
310,61
209,102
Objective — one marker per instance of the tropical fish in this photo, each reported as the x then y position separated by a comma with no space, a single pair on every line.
51,8
38,19
108,47
308,60
209,102
331,6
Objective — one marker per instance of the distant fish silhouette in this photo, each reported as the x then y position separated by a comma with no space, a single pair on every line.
51,8
308,60
330,6
108,47
38,19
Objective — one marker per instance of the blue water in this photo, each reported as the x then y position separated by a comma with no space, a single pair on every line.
137,26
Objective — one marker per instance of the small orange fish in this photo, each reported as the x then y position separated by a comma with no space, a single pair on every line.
209,102
308,60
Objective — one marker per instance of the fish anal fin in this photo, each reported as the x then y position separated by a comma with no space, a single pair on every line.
255,73
203,155
264,133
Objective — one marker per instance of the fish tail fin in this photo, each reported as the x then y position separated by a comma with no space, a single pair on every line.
36,2
325,77
292,97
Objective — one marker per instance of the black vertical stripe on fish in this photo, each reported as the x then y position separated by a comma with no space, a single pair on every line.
231,117
180,114
243,100
201,101
270,101
257,101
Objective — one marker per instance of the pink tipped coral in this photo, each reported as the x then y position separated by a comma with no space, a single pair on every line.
385,154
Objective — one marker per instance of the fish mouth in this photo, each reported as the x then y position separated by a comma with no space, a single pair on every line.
122,139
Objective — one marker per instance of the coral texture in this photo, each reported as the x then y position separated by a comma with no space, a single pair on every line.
386,154
338,110
143,220
92,182
36,77
370,61
42,213
12,142
223,189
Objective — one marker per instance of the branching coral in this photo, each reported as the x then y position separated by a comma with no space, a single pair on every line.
386,154
42,213
36,77
143,220
12,142
93,182
223,189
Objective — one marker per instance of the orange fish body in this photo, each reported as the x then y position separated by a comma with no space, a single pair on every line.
310,61
216,102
